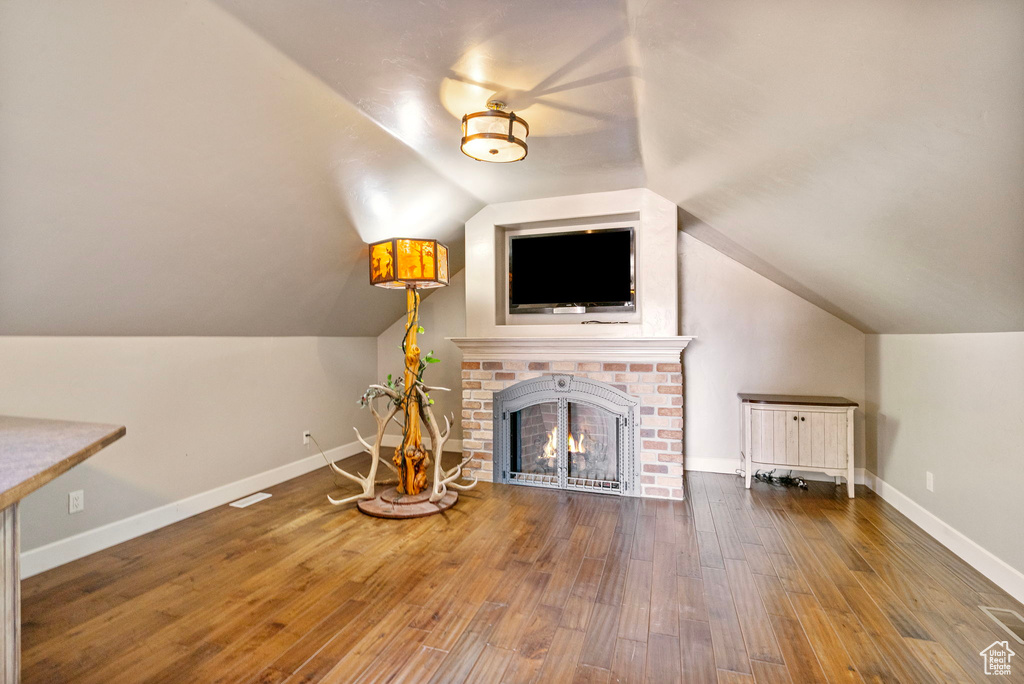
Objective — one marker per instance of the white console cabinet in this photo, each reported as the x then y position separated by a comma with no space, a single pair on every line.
797,433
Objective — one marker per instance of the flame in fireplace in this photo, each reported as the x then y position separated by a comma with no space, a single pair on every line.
575,445
551,448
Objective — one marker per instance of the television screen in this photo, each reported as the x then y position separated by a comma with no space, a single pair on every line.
592,269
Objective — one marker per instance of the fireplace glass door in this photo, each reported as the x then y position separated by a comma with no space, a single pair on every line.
534,444
592,447
565,444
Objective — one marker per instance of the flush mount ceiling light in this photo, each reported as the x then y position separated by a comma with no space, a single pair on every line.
494,135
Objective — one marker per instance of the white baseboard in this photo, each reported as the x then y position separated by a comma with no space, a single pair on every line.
80,545
984,561
451,445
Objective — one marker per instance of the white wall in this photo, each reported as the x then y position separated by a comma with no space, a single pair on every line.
953,405
200,413
754,336
442,315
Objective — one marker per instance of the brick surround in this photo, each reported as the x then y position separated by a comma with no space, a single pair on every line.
658,386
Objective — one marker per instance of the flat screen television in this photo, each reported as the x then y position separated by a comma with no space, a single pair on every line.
573,272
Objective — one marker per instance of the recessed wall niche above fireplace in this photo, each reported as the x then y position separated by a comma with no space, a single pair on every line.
567,432
642,251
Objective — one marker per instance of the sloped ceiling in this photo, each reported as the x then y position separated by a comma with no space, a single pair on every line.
204,168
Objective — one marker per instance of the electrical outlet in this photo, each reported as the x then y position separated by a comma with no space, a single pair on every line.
929,482
76,501
305,438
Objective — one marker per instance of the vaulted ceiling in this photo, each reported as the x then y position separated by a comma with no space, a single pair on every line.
215,168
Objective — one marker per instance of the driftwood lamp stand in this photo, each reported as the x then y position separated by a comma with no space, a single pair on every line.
411,264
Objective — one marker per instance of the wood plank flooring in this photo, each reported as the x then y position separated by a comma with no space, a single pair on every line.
522,585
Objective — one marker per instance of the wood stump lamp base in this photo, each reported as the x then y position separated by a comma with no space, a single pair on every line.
391,504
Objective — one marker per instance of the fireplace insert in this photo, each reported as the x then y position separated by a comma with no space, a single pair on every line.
566,432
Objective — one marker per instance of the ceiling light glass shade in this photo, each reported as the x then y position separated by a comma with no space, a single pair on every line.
408,262
494,135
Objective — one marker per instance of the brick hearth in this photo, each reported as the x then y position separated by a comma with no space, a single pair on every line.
658,386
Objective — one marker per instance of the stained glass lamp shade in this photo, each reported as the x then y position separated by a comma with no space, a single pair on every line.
408,263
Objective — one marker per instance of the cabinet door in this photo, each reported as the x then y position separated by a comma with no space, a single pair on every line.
841,442
792,438
805,438
812,439
833,439
762,436
779,434
817,425
756,448
835,454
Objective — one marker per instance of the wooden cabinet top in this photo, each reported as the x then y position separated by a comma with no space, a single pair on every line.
34,451
795,400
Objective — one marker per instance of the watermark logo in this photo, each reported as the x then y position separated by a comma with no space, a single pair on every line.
997,658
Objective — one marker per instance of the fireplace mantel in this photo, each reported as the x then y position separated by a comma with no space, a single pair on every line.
664,349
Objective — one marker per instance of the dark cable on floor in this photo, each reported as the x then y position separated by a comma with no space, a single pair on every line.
771,478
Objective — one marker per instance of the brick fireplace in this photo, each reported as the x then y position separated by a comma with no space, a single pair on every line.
657,385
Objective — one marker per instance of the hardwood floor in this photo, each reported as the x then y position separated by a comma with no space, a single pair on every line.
518,585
